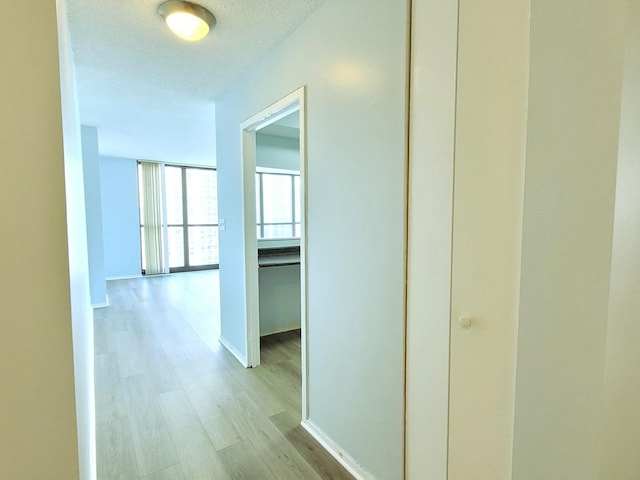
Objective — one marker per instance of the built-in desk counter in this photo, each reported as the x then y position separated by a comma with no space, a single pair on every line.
279,286
277,257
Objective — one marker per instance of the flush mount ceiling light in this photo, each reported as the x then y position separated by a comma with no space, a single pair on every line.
187,20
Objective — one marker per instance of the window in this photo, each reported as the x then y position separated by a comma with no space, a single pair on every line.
278,205
190,218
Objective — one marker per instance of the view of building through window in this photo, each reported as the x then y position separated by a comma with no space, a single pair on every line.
191,217
278,205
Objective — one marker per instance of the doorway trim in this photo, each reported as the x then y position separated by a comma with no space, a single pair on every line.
295,101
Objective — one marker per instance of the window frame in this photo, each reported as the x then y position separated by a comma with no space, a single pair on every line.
186,224
295,206
185,220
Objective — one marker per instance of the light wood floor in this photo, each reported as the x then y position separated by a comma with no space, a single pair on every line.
172,403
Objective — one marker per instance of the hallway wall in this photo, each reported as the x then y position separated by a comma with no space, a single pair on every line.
620,425
45,274
93,206
121,217
356,94
570,181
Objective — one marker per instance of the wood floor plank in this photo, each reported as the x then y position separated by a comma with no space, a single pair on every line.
154,449
210,376
197,455
159,368
110,403
115,455
187,335
171,473
286,346
142,291
171,403
281,457
142,328
208,406
119,320
106,370
261,393
121,294
225,359
278,379
101,333
269,353
177,353
205,325
243,462
130,359
320,460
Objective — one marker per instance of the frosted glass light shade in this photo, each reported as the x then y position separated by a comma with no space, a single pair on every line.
187,26
187,20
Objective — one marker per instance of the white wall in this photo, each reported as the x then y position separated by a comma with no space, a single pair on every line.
81,312
45,275
120,217
93,206
620,437
279,298
277,152
353,60
574,108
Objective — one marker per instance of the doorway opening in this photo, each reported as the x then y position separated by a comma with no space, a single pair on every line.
284,225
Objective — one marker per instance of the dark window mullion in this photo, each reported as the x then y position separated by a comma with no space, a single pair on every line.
293,206
185,220
261,207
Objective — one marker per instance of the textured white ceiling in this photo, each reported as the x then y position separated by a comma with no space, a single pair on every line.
152,95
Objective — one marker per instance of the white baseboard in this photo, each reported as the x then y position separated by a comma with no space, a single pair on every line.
102,304
226,344
353,467
125,277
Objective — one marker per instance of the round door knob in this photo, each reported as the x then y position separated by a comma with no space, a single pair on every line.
465,321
